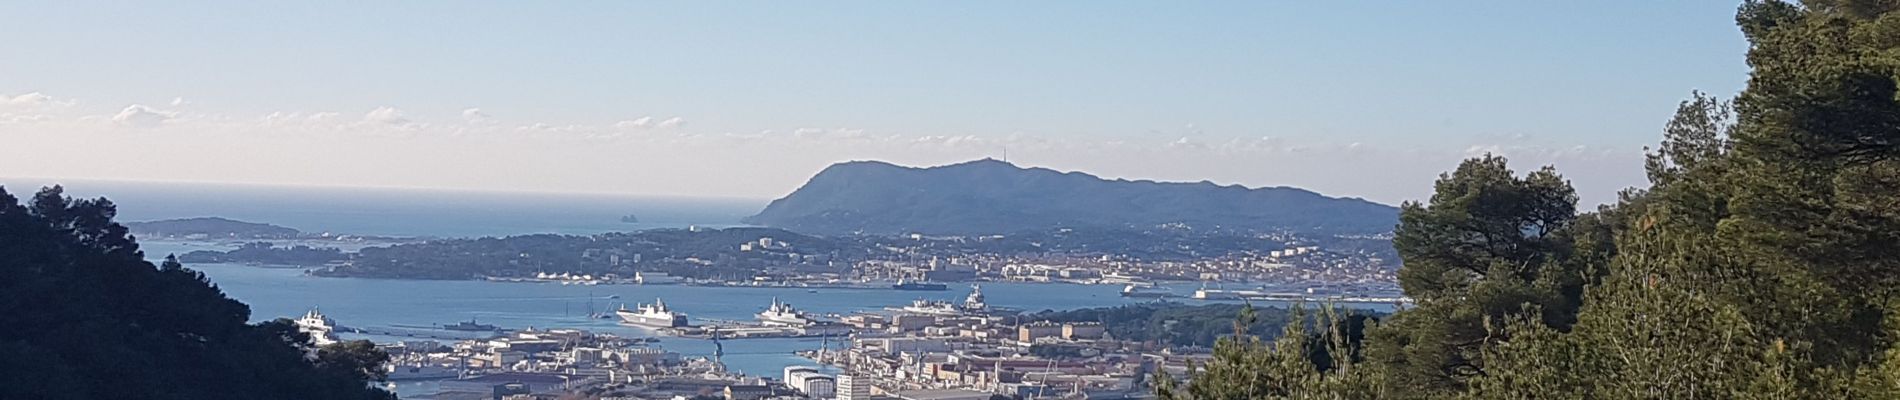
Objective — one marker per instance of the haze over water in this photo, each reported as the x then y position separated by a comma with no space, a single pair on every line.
405,212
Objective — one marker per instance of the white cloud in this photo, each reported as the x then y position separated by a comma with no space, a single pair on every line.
477,116
674,122
951,141
29,99
138,115
849,135
179,101
10,119
32,101
1184,142
292,119
637,123
281,118
559,131
386,115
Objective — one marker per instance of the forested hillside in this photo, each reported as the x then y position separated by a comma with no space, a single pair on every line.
84,316
988,196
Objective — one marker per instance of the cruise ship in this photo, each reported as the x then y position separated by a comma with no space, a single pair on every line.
654,315
321,329
782,313
1133,290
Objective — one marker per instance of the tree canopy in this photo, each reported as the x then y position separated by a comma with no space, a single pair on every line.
83,315
1760,263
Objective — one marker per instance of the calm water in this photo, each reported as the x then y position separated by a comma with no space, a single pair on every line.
280,292
379,303
283,292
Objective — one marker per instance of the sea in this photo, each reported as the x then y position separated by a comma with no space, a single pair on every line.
403,212
408,304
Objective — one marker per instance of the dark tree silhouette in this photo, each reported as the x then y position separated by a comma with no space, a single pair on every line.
83,315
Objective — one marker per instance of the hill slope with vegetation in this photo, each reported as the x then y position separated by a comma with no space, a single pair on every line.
1763,262
995,197
83,315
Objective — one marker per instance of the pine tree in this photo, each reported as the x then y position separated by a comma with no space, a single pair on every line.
1288,367
1486,245
84,316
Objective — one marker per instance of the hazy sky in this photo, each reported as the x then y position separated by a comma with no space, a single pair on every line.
749,99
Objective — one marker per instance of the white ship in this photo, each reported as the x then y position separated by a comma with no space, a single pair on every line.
932,307
1133,290
321,329
654,315
972,305
782,313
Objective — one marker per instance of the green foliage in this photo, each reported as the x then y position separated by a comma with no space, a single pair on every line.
1486,245
1246,367
1763,262
266,253
1170,323
84,316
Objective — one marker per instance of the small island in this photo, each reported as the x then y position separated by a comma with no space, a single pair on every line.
210,227
630,218
265,253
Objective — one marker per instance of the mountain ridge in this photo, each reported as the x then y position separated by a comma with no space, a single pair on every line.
988,196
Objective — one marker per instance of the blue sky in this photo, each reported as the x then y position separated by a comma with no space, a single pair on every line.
1364,99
